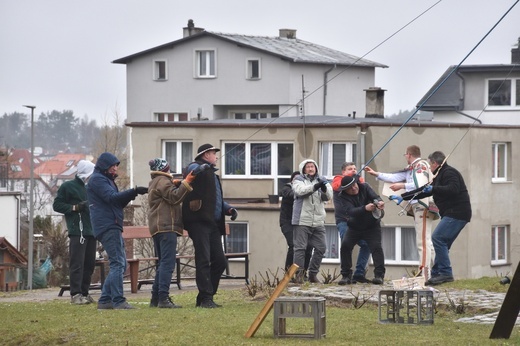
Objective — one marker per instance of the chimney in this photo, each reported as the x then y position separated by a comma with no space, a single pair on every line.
191,29
288,33
375,102
515,54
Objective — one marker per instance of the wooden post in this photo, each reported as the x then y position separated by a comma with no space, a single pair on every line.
509,311
269,304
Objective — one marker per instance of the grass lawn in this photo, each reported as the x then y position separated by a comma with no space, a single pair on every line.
58,322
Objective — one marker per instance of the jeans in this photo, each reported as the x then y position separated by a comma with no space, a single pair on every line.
373,238
287,231
304,237
165,245
112,241
82,260
364,250
443,236
210,261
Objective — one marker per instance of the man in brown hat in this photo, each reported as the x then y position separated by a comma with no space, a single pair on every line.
203,212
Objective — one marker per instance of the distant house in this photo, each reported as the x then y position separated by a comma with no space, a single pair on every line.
485,94
211,75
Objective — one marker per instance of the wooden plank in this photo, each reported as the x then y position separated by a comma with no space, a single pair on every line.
508,314
269,304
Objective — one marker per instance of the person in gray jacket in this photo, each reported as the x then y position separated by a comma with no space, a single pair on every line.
311,191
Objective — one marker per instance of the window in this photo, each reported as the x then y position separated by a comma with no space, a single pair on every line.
259,160
253,68
159,70
501,156
254,115
499,235
206,63
3,175
503,92
333,244
169,117
237,240
399,245
333,155
179,154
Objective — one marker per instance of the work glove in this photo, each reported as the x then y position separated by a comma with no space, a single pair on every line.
200,168
427,189
82,206
234,214
176,182
397,199
191,176
141,190
320,184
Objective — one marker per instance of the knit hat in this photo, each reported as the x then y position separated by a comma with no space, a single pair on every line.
205,147
85,169
347,181
159,165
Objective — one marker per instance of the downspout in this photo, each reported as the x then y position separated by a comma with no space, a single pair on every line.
325,85
461,97
18,203
130,157
362,150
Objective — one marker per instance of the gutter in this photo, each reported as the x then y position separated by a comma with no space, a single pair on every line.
469,116
325,84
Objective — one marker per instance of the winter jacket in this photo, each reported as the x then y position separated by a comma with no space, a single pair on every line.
105,201
309,205
71,193
164,199
352,208
286,206
336,181
205,201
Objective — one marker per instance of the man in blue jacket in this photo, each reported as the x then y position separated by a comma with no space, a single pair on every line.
106,204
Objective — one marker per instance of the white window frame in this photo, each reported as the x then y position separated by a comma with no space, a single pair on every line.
495,232
174,115
253,115
157,70
247,162
249,68
178,164
327,158
514,103
332,228
209,63
398,246
496,157
231,225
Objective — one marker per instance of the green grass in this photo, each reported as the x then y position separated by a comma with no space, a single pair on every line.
58,322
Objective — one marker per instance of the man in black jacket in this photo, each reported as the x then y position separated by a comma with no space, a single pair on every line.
451,197
203,212
364,209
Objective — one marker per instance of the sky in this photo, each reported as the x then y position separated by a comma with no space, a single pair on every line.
57,54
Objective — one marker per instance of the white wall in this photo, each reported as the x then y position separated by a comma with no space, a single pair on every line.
10,207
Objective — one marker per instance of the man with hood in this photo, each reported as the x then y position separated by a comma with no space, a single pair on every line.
106,214
71,201
311,191
203,213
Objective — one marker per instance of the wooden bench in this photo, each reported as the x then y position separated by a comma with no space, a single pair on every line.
142,232
95,286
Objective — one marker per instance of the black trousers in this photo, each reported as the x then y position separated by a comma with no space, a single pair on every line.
210,261
82,262
373,238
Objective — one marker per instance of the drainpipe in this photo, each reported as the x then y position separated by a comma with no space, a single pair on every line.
362,150
130,157
325,84
469,116
462,98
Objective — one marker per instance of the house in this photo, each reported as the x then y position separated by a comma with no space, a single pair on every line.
211,75
11,264
485,94
258,153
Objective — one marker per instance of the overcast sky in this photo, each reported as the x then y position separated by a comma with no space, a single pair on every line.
57,54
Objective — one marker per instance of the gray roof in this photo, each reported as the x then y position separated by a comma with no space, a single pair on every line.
450,94
294,50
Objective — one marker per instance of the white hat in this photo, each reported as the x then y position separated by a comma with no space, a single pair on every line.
85,169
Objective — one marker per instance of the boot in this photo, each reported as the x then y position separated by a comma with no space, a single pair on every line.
154,301
345,280
167,303
298,277
313,278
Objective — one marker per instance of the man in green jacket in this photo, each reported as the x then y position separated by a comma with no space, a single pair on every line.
72,202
